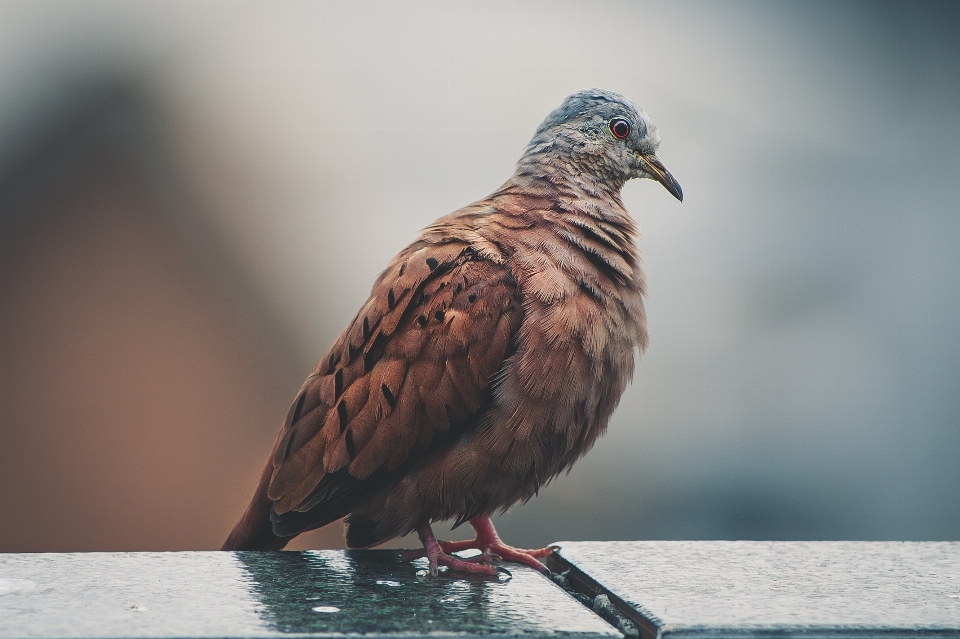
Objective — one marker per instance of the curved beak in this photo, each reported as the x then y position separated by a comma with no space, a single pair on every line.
662,175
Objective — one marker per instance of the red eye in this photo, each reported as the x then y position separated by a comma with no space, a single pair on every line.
619,128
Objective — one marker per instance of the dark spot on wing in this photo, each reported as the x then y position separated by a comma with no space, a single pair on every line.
432,263
342,413
286,452
388,395
334,358
375,352
299,408
351,447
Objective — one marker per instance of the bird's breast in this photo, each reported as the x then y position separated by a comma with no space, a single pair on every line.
574,356
581,293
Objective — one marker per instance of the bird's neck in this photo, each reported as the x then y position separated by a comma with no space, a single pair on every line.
563,205
566,161
565,184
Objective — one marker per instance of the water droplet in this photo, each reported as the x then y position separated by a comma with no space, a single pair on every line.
326,609
388,582
421,573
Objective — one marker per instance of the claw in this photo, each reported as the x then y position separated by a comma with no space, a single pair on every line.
504,571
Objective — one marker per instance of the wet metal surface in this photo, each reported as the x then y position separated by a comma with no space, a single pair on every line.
765,589
247,594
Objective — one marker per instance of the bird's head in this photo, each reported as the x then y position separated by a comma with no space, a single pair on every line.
605,135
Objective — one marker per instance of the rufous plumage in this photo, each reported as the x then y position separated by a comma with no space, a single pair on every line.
489,357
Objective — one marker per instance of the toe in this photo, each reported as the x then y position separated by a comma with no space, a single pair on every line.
463,565
525,557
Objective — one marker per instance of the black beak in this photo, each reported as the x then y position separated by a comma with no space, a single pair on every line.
662,175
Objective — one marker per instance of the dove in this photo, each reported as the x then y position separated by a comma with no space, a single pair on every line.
488,358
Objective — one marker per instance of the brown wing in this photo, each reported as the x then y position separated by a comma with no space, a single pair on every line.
416,362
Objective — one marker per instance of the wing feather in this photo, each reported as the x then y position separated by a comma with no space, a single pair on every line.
411,369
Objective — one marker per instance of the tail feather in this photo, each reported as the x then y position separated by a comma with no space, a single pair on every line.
254,531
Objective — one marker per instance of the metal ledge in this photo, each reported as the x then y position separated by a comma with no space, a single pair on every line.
815,590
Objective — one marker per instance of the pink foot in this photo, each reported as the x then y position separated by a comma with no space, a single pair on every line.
437,557
489,543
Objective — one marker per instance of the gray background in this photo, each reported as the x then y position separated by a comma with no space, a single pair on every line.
803,374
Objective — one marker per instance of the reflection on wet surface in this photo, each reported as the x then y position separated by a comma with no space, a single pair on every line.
249,594
377,593
373,592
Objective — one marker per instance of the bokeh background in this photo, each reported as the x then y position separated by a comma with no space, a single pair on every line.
196,197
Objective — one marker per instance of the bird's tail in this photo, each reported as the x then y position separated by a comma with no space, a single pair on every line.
254,531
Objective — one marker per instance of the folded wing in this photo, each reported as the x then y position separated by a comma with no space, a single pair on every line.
411,371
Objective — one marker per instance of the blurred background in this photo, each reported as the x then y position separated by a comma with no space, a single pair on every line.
196,197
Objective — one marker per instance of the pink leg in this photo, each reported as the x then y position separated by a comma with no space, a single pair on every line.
489,543
433,552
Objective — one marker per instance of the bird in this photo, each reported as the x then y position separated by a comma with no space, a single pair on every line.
488,358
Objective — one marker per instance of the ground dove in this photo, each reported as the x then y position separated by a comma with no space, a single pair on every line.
487,360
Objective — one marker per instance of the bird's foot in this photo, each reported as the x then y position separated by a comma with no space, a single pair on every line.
499,551
494,550
437,557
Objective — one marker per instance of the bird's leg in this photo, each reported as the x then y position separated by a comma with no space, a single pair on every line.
489,543
436,556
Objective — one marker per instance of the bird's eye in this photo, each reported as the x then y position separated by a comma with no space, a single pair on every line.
620,128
